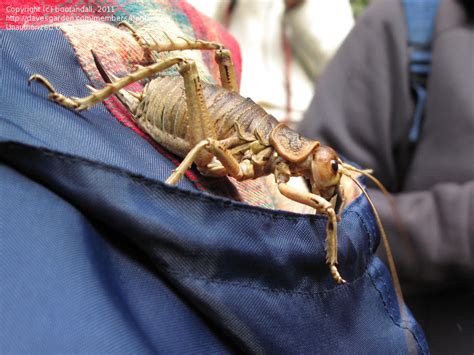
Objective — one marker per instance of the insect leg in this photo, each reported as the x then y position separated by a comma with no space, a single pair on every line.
199,123
226,70
239,171
322,206
141,41
179,172
178,44
222,57
100,95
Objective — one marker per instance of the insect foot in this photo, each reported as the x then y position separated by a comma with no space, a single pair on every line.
71,103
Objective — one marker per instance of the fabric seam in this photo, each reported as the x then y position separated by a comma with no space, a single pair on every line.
386,307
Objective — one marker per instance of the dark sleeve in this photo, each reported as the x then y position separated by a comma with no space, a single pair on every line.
438,246
363,89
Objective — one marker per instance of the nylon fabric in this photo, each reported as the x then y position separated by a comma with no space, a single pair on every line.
69,286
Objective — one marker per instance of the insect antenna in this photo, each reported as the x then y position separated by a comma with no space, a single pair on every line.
398,218
346,170
376,181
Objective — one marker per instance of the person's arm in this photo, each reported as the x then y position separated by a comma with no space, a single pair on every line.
438,246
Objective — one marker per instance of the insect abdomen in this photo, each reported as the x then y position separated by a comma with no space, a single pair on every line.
164,108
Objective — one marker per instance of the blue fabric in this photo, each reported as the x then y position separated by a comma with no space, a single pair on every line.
99,255
420,18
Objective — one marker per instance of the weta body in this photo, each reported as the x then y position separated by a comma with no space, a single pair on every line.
250,135
220,131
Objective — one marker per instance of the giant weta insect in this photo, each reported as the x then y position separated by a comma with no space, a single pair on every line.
220,131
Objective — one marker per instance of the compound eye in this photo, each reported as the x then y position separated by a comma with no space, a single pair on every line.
334,166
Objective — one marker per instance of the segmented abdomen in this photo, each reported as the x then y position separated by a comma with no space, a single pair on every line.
164,107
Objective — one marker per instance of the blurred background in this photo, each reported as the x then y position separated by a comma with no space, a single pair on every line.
358,6
285,46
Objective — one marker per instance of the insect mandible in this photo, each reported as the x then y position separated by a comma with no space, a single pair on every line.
223,133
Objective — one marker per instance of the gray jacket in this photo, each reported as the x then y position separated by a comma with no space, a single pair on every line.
363,108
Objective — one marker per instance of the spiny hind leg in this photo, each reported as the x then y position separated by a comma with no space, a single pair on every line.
140,40
178,44
200,129
100,95
322,206
199,123
222,56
